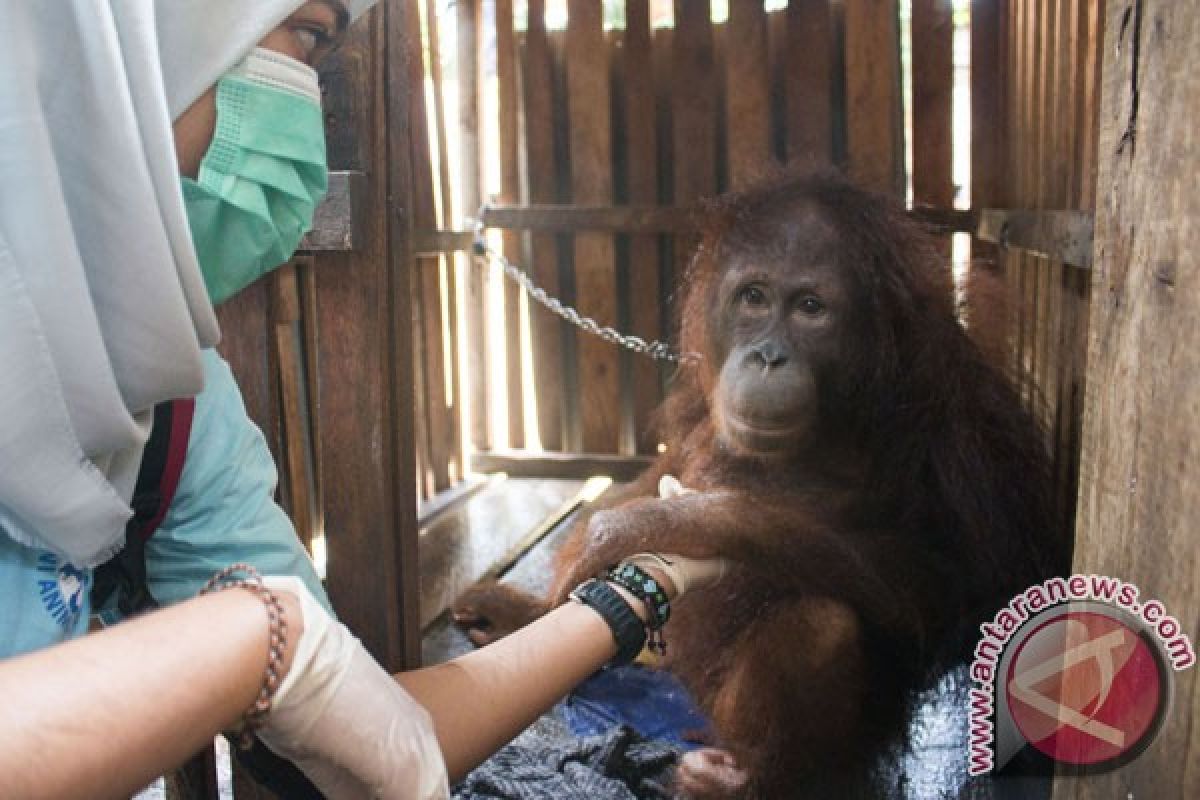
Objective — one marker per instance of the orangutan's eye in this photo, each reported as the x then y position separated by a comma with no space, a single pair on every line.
811,304
752,296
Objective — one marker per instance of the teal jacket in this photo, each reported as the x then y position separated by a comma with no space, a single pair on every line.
223,512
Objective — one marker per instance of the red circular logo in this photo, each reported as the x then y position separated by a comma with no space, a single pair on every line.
1085,688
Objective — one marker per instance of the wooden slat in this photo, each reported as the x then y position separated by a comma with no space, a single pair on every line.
591,182
448,283
245,345
294,408
809,82
1062,235
642,175
506,110
474,292
657,219
1140,487
694,112
574,466
434,428
537,81
932,102
874,137
306,273
1088,119
366,377
989,123
779,53
747,109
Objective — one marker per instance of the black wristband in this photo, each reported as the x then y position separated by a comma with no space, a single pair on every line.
627,629
644,587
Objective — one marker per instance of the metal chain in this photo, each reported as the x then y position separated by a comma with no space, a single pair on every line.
659,350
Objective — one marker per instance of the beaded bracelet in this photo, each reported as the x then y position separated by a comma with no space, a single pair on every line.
255,716
644,587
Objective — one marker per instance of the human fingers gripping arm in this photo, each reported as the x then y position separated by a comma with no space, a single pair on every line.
481,700
345,722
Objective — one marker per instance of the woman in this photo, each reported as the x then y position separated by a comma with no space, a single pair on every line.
105,277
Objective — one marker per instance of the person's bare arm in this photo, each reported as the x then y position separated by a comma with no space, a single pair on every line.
483,699
104,715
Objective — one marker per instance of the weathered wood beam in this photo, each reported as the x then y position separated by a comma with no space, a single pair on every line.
568,466
1060,235
338,220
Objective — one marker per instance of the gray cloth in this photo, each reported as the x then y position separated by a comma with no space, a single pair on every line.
548,762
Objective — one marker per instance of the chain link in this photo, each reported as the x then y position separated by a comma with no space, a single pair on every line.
658,350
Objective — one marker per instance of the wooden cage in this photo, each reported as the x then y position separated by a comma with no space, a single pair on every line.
366,361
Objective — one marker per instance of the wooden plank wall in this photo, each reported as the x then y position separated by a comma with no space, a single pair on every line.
665,115
1034,89
1140,488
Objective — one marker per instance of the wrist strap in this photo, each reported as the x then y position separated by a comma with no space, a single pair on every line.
627,630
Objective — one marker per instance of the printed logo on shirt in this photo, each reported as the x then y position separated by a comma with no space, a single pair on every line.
61,587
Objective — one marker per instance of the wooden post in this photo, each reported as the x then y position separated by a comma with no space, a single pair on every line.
1139,496
747,98
589,108
874,136
506,112
932,99
809,76
642,170
537,84
364,310
475,279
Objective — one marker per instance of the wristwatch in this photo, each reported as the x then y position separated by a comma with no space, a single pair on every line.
627,629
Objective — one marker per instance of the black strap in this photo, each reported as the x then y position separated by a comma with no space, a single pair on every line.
125,573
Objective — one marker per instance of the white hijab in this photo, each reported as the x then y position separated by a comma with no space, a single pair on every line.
103,309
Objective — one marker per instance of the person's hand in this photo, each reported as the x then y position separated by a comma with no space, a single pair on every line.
344,721
681,573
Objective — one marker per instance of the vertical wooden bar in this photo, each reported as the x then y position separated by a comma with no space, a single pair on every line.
693,116
474,299
641,163
747,109
1086,122
874,134
809,81
591,183
245,344
364,308
448,285
694,112
779,53
989,121
434,429
1138,499
932,99
296,474
506,109
537,83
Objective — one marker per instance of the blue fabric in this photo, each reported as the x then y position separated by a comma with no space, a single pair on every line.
43,599
224,509
652,702
223,512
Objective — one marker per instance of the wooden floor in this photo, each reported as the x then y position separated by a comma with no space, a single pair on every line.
468,539
472,538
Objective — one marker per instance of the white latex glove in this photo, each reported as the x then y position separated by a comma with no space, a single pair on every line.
345,722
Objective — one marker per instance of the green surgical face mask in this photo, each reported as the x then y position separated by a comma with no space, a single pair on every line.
263,174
